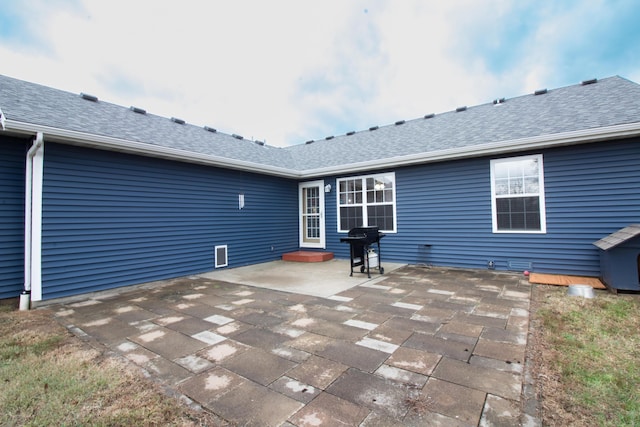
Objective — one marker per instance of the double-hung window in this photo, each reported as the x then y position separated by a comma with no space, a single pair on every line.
367,201
517,187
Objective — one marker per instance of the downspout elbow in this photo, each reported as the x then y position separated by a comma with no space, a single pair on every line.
37,143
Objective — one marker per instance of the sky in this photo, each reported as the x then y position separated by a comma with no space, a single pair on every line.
289,71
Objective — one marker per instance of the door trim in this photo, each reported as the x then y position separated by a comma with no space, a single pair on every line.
321,243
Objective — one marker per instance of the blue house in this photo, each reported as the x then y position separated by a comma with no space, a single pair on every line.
95,195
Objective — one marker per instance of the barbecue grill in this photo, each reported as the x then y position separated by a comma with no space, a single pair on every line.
360,240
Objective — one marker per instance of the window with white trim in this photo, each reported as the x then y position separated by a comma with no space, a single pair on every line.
367,201
517,193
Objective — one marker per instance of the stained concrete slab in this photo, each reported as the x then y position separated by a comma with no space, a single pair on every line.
320,279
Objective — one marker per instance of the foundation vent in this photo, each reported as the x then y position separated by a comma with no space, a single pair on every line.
220,256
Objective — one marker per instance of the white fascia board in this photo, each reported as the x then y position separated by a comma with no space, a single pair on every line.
145,149
494,148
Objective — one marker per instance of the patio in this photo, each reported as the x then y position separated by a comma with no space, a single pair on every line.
416,346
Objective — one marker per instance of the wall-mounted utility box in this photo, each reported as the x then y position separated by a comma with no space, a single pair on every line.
620,259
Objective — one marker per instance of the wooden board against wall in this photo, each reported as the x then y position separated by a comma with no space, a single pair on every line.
562,280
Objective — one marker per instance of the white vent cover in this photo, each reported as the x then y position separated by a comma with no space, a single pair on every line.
221,256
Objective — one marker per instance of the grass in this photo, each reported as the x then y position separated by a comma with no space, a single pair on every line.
591,350
49,377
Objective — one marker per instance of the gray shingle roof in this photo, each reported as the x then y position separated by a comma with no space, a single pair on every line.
619,237
32,103
609,102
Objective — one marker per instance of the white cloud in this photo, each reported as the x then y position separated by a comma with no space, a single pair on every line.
288,71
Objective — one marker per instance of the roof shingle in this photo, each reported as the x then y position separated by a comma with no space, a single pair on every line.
609,102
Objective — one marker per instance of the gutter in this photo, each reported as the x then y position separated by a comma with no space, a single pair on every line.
503,147
33,221
491,148
145,149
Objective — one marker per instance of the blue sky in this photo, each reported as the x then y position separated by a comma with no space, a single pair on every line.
287,71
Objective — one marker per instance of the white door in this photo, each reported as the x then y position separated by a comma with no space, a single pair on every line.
311,198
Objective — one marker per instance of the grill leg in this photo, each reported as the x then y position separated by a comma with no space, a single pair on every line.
366,251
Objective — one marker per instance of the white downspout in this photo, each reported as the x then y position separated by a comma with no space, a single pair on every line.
33,223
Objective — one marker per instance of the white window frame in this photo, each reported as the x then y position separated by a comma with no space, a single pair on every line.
364,204
540,194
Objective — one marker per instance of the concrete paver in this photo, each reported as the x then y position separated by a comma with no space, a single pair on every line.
365,359
259,366
372,391
318,371
329,410
500,383
453,400
417,346
454,349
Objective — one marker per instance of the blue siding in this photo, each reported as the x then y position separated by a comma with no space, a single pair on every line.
591,191
12,168
111,219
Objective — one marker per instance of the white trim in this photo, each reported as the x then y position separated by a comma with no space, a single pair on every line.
321,244
540,194
364,199
490,148
145,149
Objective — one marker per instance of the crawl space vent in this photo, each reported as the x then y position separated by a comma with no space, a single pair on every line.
519,265
221,256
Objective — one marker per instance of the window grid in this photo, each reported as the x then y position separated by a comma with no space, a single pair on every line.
518,194
367,201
